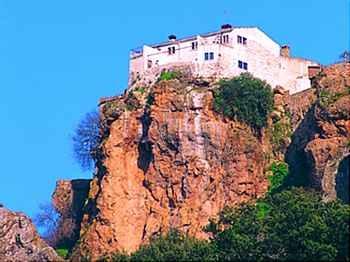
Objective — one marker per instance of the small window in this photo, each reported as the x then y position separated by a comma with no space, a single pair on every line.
225,39
194,45
245,66
149,63
171,50
242,65
241,40
209,56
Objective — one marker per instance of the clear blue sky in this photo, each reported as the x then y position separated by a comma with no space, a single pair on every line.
58,57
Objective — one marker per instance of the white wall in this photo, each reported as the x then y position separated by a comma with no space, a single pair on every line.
261,53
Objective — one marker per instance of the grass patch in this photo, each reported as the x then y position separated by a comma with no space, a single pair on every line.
279,132
169,75
140,89
62,252
327,98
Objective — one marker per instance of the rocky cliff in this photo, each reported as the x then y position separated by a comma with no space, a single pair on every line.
167,160
319,153
19,240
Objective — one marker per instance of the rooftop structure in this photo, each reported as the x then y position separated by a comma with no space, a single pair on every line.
225,53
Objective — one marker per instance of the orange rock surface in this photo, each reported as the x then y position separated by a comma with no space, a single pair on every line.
174,164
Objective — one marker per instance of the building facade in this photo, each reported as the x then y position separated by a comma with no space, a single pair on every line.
223,54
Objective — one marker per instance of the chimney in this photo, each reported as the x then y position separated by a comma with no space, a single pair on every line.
285,51
226,26
172,38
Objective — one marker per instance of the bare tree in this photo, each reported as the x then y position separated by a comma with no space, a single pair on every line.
47,220
86,140
345,56
55,230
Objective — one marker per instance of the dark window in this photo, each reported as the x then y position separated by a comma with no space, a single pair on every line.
242,65
241,40
209,56
245,66
194,45
225,39
149,63
171,50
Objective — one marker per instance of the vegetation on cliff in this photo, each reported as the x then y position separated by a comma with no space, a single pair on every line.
291,225
245,98
208,162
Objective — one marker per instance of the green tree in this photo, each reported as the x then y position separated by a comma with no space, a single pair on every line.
172,247
279,173
245,98
296,225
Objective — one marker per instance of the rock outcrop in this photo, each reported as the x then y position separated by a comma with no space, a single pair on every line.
318,155
69,199
19,240
331,143
172,163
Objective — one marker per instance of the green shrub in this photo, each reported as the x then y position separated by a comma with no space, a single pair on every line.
279,173
140,89
279,132
62,252
327,98
245,98
168,75
296,225
172,247
131,102
292,225
150,99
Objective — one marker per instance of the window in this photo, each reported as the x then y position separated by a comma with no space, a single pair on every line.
209,56
171,50
242,65
241,40
245,66
225,39
194,45
149,63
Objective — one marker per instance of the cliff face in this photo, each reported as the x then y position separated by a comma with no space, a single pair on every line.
19,240
168,161
172,163
69,199
328,151
319,153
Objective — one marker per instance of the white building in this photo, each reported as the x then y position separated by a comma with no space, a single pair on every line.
222,54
